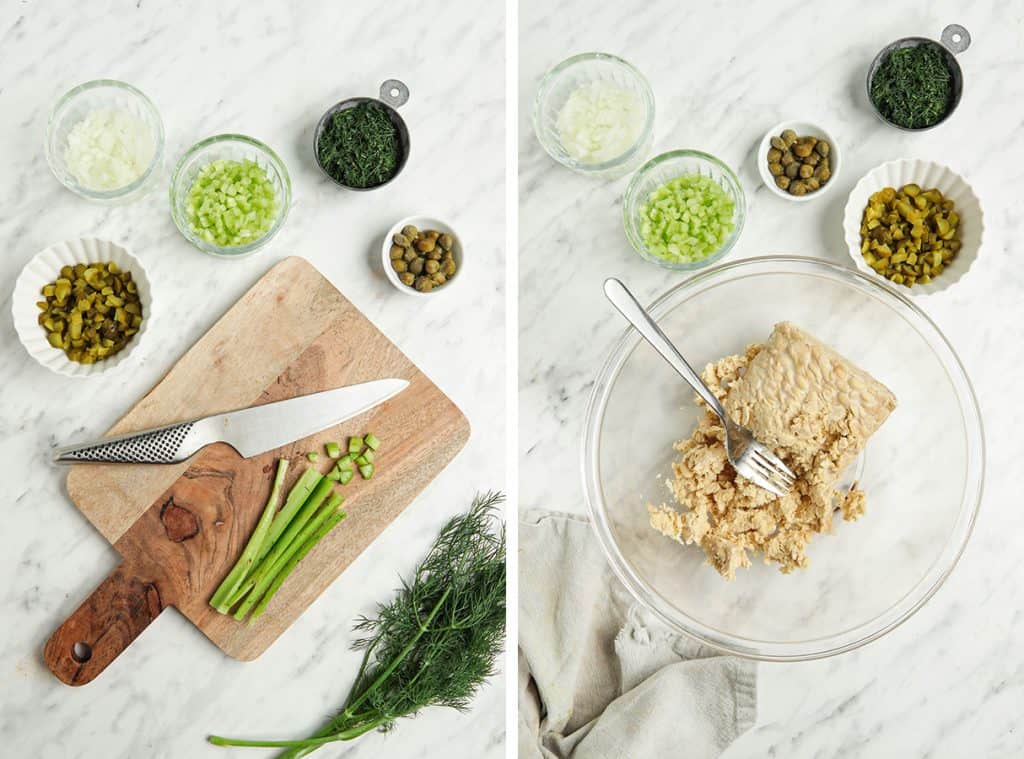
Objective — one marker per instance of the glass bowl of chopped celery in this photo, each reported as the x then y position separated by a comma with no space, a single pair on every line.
230,195
105,141
594,114
683,210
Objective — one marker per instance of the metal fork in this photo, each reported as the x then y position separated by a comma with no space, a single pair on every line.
751,459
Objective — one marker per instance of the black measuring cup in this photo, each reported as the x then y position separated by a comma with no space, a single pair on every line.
955,39
393,95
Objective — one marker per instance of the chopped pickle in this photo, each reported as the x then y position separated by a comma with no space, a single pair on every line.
909,235
91,311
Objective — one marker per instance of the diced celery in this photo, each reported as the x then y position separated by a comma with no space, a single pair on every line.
333,450
371,440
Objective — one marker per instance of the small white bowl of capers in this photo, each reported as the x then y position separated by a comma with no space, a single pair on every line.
798,160
422,255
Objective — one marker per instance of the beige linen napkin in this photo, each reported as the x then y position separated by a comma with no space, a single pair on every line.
600,677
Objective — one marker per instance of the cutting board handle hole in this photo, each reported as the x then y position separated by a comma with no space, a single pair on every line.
81,652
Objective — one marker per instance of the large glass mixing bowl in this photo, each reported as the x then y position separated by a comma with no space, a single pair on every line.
922,471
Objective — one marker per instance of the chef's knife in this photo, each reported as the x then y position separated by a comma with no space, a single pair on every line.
249,431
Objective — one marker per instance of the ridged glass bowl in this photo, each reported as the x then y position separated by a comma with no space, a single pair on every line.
668,166
560,82
74,106
233,147
922,471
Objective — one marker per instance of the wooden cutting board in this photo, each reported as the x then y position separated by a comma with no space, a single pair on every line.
179,528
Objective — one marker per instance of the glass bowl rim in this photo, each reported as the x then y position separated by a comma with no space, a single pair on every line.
645,134
848,639
158,150
237,251
633,188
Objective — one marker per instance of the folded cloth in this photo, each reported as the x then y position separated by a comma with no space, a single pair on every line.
600,677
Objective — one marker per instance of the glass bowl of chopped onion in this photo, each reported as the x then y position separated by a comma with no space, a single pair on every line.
683,210
105,141
230,195
594,113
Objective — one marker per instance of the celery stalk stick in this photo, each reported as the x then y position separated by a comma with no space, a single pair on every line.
280,555
299,495
251,551
308,509
286,570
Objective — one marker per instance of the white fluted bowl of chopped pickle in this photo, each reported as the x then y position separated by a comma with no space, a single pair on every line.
916,224
101,282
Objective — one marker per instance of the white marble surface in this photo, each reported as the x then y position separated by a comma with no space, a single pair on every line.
949,682
268,69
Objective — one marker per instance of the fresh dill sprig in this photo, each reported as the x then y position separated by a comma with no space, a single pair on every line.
435,643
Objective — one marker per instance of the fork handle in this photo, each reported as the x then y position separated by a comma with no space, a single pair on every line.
635,314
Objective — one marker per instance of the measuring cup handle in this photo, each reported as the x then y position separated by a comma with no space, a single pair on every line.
394,93
956,38
103,626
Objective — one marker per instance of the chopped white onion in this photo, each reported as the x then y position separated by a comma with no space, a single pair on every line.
600,121
109,149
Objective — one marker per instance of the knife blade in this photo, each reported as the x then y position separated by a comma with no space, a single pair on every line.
250,431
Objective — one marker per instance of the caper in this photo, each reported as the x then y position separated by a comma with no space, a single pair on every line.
782,182
802,149
822,148
793,170
400,240
778,143
399,265
788,137
775,169
812,184
427,258
787,158
822,173
798,188
813,159
806,170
